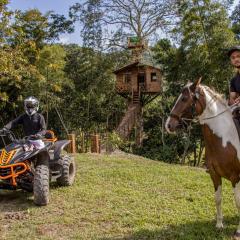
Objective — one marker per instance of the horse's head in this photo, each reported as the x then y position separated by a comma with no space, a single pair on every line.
190,103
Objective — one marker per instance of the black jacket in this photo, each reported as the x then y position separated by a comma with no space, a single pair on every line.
235,84
32,125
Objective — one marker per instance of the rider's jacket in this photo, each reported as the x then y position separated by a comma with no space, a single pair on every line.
235,84
32,125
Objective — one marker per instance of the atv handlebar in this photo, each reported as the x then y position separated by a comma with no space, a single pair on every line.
6,132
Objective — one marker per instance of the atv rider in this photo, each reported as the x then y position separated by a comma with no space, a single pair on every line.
33,122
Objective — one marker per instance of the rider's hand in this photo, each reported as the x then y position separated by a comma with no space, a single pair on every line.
237,100
36,136
4,129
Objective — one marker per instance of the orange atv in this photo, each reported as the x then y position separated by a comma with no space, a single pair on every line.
23,166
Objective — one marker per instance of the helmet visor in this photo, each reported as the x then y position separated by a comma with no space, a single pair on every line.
30,105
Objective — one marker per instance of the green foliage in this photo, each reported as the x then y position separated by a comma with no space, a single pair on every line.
51,64
5,16
235,18
113,141
32,30
28,66
58,24
15,69
203,33
94,98
89,15
158,144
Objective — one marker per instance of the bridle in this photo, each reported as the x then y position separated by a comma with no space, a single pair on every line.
195,97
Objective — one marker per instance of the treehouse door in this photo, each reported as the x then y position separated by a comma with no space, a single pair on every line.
141,80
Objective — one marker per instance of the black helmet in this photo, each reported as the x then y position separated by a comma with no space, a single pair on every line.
233,49
31,105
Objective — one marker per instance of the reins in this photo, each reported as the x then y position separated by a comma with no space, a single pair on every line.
196,118
227,109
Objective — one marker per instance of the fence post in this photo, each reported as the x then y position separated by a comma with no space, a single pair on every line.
72,145
95,143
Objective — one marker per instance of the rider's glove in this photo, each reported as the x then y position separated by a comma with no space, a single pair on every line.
36,136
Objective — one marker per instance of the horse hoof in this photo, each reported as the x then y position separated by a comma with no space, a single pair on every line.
236,236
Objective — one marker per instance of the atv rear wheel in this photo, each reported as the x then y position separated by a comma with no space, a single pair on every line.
68,171
41,184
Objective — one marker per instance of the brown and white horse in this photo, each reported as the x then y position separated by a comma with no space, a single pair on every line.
222,145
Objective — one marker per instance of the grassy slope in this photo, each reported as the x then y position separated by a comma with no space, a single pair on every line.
119,197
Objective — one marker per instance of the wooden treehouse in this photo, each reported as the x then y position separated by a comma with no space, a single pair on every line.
139,83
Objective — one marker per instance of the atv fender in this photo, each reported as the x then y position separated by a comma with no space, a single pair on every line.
58,147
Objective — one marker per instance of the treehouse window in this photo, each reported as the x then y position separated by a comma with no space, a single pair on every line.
127,77
153,77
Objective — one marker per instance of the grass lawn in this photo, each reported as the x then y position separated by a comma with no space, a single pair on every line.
122,197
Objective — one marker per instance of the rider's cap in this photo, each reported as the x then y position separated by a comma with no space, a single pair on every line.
233,49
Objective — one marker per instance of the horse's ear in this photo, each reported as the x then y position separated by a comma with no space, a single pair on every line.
196,83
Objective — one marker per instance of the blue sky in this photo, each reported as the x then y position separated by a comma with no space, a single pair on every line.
58,6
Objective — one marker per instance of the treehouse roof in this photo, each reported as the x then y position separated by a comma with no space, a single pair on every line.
145,60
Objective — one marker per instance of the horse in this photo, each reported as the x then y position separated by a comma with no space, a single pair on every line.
222,144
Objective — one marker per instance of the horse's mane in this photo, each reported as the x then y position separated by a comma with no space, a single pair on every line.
215,94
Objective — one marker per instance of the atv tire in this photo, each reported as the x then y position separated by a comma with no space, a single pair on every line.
68,171
41,184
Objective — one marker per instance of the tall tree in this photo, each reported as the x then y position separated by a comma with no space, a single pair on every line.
122,18
235,17
94,98
32,30
89,15
51,64
15,70
203,34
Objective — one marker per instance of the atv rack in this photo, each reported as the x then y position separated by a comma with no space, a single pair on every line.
13,171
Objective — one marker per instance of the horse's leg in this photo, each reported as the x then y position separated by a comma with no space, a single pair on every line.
217,182
236,189
218,201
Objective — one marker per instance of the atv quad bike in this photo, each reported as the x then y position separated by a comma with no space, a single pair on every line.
22,166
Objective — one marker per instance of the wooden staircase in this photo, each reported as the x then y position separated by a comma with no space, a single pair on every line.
135,98
130,118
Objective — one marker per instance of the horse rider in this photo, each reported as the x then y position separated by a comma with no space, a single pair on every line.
234,55
33,122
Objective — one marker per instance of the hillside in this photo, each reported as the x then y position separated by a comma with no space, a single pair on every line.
121,197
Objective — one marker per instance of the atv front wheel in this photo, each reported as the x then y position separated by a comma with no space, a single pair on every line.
68,171
41,184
